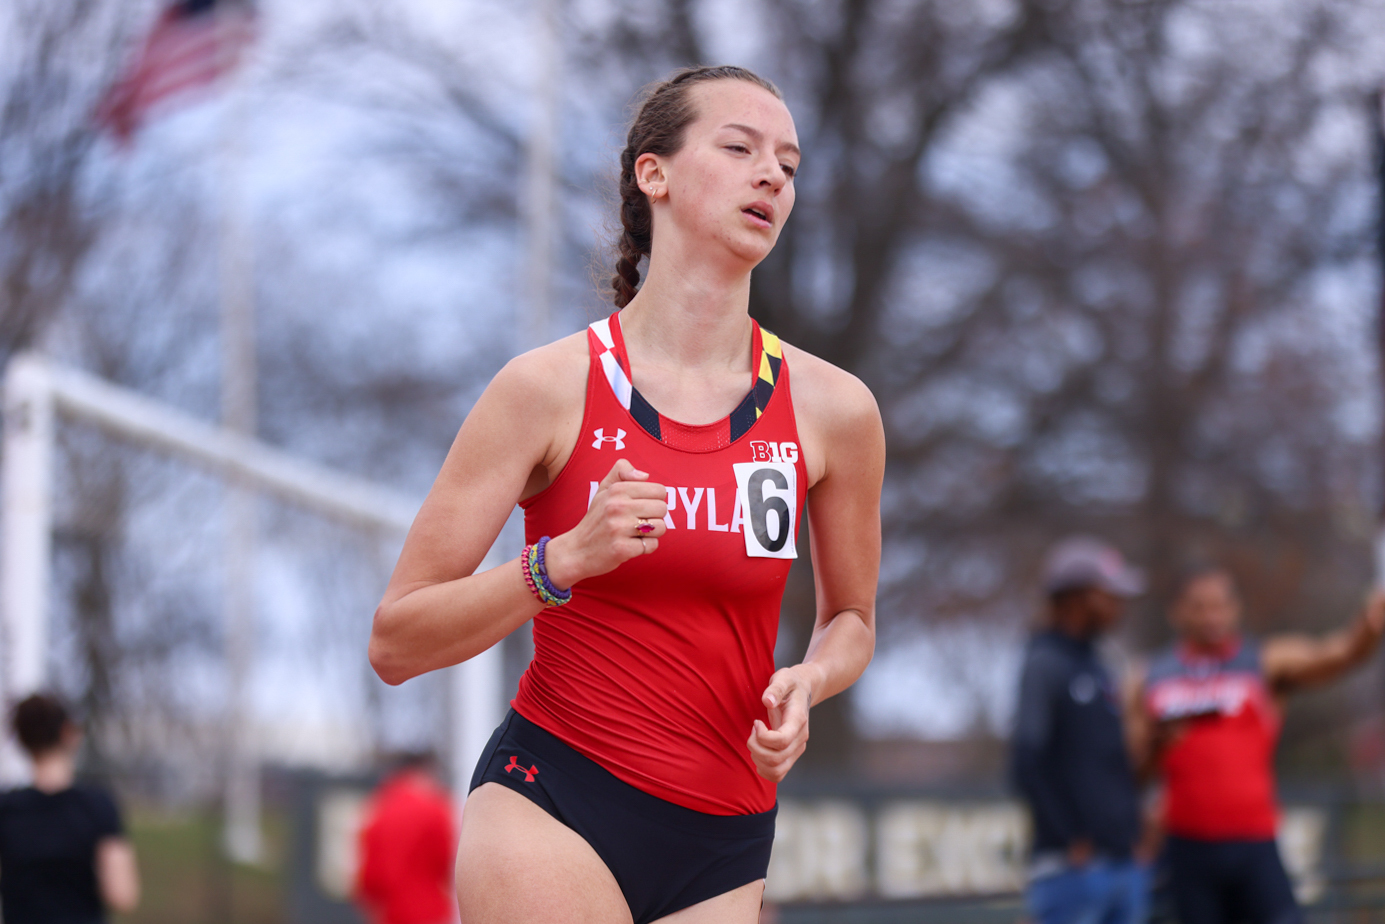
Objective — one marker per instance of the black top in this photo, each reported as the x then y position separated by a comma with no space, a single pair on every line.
1069,756
48,854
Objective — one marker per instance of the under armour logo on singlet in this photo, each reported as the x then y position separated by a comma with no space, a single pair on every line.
529,774
601,437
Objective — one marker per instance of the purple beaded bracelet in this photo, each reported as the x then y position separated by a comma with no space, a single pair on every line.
536,575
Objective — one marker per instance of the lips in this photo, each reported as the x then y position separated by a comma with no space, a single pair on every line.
761,213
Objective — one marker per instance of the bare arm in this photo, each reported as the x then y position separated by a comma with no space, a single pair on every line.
844,531
1147,736
1295,661
1139,724
117,874
436,610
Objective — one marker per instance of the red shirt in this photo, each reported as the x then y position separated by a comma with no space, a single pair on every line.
407,847
655,670
1219,774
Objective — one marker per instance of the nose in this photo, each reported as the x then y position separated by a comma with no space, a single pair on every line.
769,175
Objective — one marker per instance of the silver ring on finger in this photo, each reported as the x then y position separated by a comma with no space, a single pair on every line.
644,549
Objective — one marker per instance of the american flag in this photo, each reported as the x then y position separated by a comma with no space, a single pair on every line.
192,44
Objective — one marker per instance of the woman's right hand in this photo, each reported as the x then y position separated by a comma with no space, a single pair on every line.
610,533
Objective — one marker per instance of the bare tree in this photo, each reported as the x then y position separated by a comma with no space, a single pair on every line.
1095,266
1078,250
59,58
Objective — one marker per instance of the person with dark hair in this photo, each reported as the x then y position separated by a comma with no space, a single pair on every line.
663,459
406,847
1208,720
1069,755
64,856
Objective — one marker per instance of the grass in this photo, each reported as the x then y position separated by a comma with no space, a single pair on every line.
1363,834
186,880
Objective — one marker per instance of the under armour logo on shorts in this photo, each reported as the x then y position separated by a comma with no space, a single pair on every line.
601,437
529,774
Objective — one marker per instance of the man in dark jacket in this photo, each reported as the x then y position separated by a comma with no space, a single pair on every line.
1069,756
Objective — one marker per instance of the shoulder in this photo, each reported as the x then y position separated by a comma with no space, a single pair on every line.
100,804
837,417
1044,656
94,794
827,389
546,370
1164,664
1044,642
440,804
540,388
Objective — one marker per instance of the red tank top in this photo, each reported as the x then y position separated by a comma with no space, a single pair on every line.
1219,776
655,670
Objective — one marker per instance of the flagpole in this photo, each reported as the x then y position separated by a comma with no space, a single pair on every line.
1378,124
242,836
540,184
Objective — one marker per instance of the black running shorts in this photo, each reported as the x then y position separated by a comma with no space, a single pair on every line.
664,857
1214,882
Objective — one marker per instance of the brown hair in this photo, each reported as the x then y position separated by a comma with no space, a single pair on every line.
664,114
39,721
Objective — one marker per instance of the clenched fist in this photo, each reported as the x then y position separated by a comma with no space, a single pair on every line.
625,520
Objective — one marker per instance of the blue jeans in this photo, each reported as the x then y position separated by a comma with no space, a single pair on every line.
1102,892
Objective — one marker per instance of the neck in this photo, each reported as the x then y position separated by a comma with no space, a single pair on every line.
1217,648
690,312
54,771
1073,626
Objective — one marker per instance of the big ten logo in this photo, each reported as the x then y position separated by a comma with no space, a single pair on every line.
762,451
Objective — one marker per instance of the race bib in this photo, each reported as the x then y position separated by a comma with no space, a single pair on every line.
769,507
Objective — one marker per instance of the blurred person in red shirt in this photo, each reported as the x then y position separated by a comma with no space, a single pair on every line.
1208,722
407,845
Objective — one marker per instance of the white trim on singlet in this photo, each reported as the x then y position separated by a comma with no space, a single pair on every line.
615,375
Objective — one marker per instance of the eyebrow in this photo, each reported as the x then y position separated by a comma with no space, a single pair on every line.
759,136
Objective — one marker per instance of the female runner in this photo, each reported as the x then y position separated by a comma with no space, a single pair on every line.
633,779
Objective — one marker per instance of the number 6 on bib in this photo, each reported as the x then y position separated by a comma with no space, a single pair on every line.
769,501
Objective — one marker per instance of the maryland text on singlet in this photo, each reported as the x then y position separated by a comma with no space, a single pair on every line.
655,670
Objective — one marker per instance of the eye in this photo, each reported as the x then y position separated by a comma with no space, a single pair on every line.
738,148
789,170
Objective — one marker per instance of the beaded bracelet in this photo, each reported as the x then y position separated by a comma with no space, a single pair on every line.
536,576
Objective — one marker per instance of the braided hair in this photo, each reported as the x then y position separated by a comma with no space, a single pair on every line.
664,114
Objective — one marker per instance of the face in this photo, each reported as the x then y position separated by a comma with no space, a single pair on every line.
730,187
1104,610
1208,612
69,743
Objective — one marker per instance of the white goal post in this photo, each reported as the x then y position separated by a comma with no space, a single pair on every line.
38,392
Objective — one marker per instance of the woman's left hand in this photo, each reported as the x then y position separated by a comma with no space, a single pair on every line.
775,747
